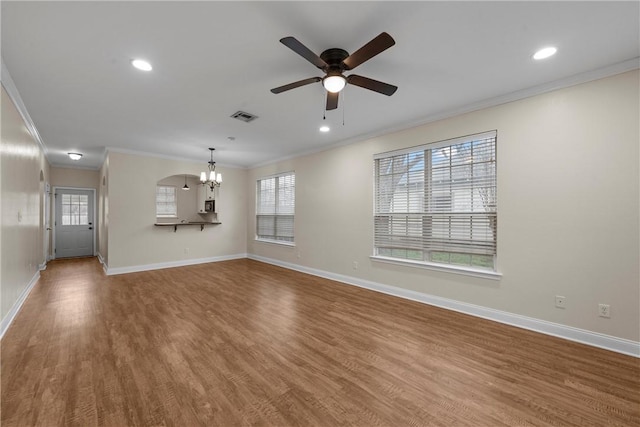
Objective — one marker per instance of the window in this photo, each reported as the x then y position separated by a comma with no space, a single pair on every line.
75,209
166,202
436,204
275,208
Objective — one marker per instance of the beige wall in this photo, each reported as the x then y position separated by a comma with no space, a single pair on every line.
133,240
23,173
568,208
81,178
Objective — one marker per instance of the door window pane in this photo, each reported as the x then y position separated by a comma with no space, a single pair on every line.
75,209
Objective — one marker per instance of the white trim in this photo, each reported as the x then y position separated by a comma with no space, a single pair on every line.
42,266
13,93
11,315
588,76
607,342
492,134
276,242
104,264
171,264
165,156
455,269
276,175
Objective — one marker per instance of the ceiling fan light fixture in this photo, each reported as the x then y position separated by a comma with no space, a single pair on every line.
325,128
335,83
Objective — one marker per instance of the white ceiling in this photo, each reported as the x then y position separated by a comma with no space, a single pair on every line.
70,62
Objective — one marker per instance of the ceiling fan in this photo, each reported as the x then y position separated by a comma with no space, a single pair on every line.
334,62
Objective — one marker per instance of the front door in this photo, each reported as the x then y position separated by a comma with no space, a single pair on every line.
74,223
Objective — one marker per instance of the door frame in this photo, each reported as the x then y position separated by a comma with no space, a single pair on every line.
54,215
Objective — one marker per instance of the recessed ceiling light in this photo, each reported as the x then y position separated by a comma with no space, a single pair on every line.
75,156
141,64
545,53
324,129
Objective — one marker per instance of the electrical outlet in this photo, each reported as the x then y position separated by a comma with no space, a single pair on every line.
604,310
560,301
355,265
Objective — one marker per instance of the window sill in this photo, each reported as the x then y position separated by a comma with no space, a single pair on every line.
277,242
465,271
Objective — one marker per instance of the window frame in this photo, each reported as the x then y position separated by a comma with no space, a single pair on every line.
422,213
175,202
277,239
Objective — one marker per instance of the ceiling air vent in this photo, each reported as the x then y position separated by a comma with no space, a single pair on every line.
245,117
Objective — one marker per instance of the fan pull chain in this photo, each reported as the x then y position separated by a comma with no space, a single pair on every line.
324,106
343,105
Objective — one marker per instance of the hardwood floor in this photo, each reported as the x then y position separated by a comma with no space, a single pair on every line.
246,343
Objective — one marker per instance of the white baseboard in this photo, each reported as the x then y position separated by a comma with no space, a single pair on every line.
608,342
8,319
104,264
135,268
42,266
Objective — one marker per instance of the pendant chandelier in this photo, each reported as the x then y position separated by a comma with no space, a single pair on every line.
212,179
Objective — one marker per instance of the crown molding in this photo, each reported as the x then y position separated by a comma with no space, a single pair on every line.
164,156
585,77
12,91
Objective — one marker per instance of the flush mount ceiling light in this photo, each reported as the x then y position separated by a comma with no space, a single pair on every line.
545,53
325,128
141,64
334,84
212,179
74,156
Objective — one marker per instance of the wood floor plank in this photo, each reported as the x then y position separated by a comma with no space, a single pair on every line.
240,343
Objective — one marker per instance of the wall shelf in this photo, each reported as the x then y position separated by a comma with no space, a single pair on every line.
175,225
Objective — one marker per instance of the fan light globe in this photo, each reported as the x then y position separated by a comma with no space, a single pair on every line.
334,84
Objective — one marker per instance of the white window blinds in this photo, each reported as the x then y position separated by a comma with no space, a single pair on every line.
166,201
275,207
437,203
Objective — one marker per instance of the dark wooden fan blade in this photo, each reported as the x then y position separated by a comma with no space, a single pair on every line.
295,84
293,44
379,44
332,100
374,85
